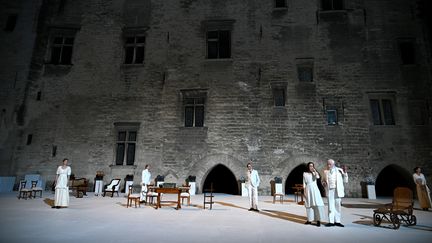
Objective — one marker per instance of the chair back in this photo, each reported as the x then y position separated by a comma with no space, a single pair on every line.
34,184
130,191
402,198
22,184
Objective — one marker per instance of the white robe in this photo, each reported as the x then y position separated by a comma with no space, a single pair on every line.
145,180
61,198
311,192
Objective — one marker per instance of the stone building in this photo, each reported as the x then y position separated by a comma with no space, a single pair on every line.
201,87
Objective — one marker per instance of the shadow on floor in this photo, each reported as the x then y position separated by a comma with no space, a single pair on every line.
49,202
368,221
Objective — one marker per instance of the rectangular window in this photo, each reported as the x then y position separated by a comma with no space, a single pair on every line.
194,112
126,145
280,3
332,4
407,52
332,116
11,23
61,50
134,50
218,44
382,111
279,97
305,73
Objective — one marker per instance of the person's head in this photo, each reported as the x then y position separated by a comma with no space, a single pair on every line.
310,167
249,166
65,161
147,166
417,169
330,163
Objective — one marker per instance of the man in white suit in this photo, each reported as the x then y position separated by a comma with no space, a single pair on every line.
252,184
145,181
333,180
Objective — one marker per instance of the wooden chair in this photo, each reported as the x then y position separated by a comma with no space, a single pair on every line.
208,196
185,194
24,192
112,187
35,189
150,195
132,197
400,210
298,194
278,193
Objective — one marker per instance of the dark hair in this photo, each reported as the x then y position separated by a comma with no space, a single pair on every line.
65,159
307,166
248,164
146,166
415,169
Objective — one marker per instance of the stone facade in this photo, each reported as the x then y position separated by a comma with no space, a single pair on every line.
354,54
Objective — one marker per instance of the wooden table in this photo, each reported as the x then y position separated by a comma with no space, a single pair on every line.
160,190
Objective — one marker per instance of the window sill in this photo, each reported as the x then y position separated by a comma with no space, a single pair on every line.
219,60
132,65
280,9
113,166
194,128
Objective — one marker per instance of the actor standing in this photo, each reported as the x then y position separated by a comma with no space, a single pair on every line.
313,200
252,183
61,198
333,181
145,181
423,192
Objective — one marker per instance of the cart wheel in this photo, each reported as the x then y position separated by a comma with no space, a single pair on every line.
395,220
413,220
377,219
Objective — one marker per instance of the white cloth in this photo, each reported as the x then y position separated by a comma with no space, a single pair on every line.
334,207
252,183
145,180
313,200
341,178
61,198
423,192
334,195
98,187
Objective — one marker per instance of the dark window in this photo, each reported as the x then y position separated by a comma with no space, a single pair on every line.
39,95
218,44
29,139
194,112
382,112
332,118
407,52
332,4
126,145
11,22
134,50
61,51
305,73
280,3
279,97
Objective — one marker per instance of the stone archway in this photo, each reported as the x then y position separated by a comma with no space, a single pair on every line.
390,177
294,177
223,180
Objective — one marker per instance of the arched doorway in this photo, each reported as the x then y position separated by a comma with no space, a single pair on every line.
390,177
223,180
294,177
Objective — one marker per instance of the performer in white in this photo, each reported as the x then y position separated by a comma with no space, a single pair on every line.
61,198
252,184
98,183
313,200
333,181
145,181
423,192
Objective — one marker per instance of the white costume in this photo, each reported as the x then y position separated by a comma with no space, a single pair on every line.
252,183
423,192
313,200
61,198
145,180
334,180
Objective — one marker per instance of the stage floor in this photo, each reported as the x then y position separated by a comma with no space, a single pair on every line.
106,219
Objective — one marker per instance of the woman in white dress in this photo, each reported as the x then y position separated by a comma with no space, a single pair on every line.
61,198
423,192
313,200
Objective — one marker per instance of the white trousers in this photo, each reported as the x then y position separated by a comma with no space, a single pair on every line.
98,187
253,197
314,213
334,206
143,192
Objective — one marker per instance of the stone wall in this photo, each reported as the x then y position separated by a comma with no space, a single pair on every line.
354,53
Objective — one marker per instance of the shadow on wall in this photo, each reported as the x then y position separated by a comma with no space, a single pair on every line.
390,177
